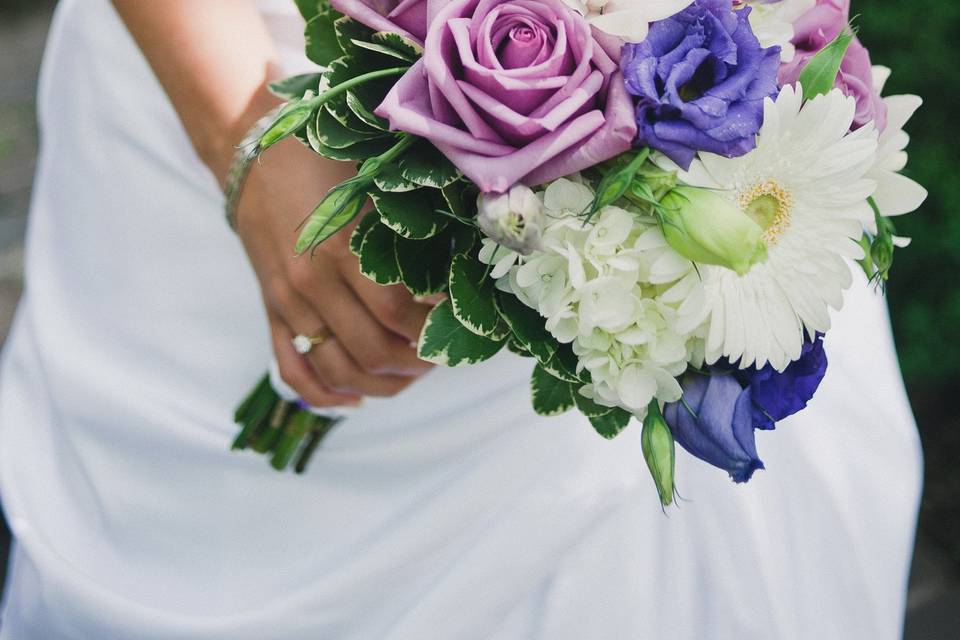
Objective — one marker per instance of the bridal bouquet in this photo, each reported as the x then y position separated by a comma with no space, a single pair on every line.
656,201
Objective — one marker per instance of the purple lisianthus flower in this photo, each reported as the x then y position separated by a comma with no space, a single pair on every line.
701,77
723,408
716,424
777,395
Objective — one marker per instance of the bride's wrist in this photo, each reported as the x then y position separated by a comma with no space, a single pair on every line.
219,145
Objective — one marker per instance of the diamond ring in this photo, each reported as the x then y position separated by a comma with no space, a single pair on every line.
303,343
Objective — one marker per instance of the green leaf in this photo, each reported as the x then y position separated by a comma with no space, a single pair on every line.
378,260
322,46
309,8
363,114
659,451
355,152
407,48
332,133
425,165
611,424
445,341
334,212
550,396
563,364
514,346
464,237
376,47
424,264
461,200
347,30
527,326
409,213
294,87
472,297
590,408
360,231
820,74
389,179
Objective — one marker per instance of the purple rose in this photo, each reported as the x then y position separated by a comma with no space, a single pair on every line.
405,17
816,29
701,77
513,91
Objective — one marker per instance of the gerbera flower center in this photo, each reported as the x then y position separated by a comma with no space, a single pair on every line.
769,205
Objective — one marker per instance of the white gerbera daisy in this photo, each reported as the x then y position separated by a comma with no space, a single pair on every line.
772,22
896,194
802,184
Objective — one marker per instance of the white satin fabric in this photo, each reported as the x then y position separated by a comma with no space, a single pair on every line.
449,512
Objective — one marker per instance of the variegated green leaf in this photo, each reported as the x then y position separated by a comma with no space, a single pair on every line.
322,47
409,49
376,47
389,179
588,407
424,264
425,165
294,87
360,231
409,213
363,114
445,341
377,255
332,133
611,424
471,295
527,326
551,396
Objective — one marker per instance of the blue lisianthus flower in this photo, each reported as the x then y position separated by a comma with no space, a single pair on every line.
777,395
701,77
721,408
714,422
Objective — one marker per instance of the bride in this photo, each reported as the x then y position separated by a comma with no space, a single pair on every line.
443,508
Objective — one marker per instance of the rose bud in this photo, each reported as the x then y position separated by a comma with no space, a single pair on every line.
705,227
513,219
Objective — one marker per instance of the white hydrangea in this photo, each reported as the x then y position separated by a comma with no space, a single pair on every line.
611,288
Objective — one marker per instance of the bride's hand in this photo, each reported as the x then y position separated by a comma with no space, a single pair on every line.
369,351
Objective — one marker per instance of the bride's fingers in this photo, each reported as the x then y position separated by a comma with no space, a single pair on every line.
371,345
341,374
393,306
295,371
329,361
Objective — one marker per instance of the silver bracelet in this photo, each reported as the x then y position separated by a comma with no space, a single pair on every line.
246,153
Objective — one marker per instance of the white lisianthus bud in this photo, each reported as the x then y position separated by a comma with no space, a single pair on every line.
513,219
705,227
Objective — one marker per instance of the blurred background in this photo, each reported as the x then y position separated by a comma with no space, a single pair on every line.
924,293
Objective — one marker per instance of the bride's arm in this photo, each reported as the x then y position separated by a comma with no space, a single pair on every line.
214,58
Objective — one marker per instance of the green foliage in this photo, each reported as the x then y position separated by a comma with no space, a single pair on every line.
472,296
820,74
445,341
551,396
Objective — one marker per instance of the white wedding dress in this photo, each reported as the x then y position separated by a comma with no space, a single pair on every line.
448,512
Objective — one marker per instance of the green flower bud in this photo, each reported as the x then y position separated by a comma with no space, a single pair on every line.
706,227
659,451
292,118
